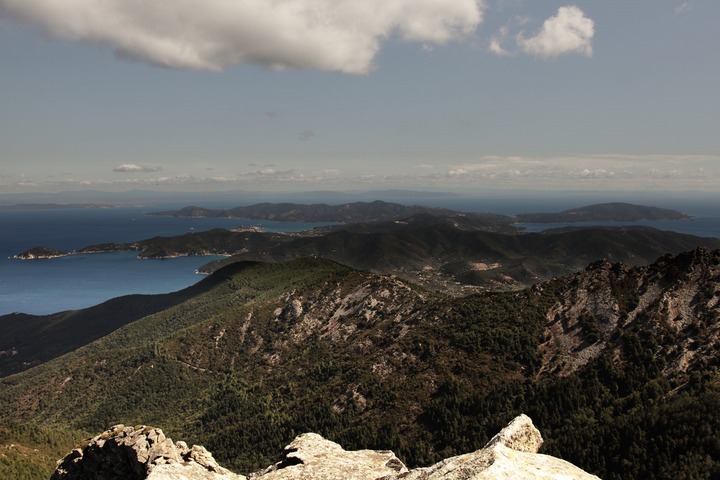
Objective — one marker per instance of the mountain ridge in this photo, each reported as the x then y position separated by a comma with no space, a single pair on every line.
374,362
355,212
379,210
436,252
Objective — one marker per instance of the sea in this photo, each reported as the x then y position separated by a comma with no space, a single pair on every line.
46,286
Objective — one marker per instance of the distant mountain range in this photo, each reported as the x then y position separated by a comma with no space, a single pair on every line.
606,212
356,212
379,211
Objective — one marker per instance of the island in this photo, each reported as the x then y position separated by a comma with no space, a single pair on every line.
39,253
356,212
604,212
455,252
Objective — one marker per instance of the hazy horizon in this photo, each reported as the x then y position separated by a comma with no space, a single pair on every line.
500,202
460,95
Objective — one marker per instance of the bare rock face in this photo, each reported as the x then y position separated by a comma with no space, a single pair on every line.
520,435
138,453
511,454
311,457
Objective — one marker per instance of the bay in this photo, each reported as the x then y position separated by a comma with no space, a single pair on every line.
47,286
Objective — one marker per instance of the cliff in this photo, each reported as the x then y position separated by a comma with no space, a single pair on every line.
137,453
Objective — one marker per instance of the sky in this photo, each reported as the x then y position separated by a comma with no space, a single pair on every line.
293,95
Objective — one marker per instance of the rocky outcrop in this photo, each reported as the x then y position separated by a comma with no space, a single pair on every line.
675,301
311,457
137,453
510,455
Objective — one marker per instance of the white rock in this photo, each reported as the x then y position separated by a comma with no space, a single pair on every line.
189,471
511,454
311,457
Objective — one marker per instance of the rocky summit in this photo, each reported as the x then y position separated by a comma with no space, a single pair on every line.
138,453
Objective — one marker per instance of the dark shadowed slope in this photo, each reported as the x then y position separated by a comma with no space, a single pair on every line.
28,340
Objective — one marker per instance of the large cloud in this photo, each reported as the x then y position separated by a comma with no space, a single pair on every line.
336,35
570,31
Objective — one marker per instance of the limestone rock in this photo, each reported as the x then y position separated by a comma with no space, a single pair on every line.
138,453
188,471
520,435
311,457
511,454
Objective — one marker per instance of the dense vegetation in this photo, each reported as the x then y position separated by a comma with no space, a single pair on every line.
356,212
435,254
268,351
436,248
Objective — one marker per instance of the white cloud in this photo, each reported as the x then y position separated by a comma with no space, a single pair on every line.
135,168
26,183
611,171
569,31
334,35
595,173
497,41
606,172
682,8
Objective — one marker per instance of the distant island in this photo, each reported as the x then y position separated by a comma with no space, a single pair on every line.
39,253
378,211
436,248
604,212
356,212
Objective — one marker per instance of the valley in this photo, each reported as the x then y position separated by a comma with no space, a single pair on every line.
260,352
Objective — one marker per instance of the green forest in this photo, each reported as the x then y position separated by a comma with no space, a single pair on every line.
269,351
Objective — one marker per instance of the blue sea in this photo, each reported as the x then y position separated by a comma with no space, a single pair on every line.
51,285
47,286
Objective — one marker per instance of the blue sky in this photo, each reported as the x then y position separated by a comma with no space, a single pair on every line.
339,94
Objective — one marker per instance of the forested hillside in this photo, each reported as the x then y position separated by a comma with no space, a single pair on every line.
617,366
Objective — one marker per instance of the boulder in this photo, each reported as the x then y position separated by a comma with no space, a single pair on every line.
311,457
138,453
511,454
